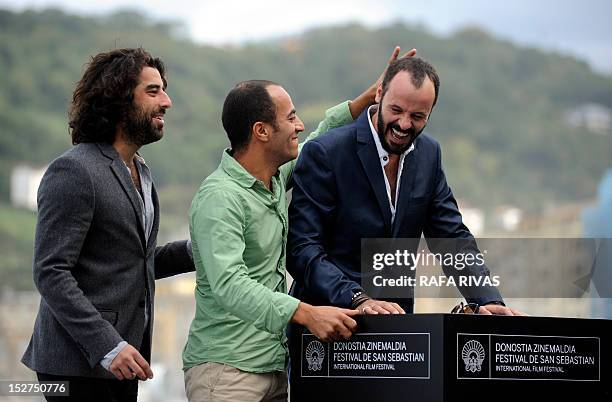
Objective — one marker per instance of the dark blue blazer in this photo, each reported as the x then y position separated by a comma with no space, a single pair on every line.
339,198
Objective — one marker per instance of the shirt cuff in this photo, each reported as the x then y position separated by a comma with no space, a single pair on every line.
286,307
108,358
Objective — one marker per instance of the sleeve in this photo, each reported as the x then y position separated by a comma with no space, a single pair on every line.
446,233
336,116
173,258
66,203
312,207
217,226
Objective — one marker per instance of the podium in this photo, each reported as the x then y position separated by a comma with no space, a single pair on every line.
456,357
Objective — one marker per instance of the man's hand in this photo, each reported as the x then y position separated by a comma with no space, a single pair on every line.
373,306
325,322
366,99
129,363
498,309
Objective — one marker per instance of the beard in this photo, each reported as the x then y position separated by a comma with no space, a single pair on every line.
139,127
382,129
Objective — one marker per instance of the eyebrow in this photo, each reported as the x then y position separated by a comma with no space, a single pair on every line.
291,112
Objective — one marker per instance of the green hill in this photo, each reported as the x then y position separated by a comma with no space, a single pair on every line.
500,116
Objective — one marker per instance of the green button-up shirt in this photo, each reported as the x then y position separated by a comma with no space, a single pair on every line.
239,235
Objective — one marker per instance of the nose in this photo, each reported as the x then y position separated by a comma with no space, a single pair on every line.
166,102
405,123
299,126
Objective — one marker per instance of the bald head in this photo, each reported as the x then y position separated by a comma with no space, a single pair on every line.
418,69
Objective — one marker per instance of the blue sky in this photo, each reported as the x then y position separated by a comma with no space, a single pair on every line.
580,28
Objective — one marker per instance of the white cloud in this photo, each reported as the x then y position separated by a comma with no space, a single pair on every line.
235,20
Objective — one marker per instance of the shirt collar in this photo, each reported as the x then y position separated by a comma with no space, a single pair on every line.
383,155
139,158
235,170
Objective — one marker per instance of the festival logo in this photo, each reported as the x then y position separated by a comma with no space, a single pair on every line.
473,354
315,354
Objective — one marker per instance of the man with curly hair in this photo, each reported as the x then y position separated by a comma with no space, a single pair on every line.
95,253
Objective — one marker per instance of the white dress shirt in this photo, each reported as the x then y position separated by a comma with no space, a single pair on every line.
384,160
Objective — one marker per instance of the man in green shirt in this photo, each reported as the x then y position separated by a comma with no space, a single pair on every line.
236,349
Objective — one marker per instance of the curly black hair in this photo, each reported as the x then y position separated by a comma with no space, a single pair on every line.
104,95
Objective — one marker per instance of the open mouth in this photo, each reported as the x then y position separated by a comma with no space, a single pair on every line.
398,135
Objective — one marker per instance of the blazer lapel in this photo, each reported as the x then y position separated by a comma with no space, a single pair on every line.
123,176
366,150
153,235
406,186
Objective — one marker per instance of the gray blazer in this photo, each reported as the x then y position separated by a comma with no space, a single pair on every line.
92,264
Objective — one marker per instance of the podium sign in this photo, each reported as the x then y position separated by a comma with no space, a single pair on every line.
378,355
444,357
532,357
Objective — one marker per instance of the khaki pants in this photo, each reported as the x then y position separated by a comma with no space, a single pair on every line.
215,382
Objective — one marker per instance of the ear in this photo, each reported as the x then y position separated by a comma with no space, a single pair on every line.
261,132
378,96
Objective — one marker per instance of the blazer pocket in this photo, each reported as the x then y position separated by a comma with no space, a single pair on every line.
109,315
